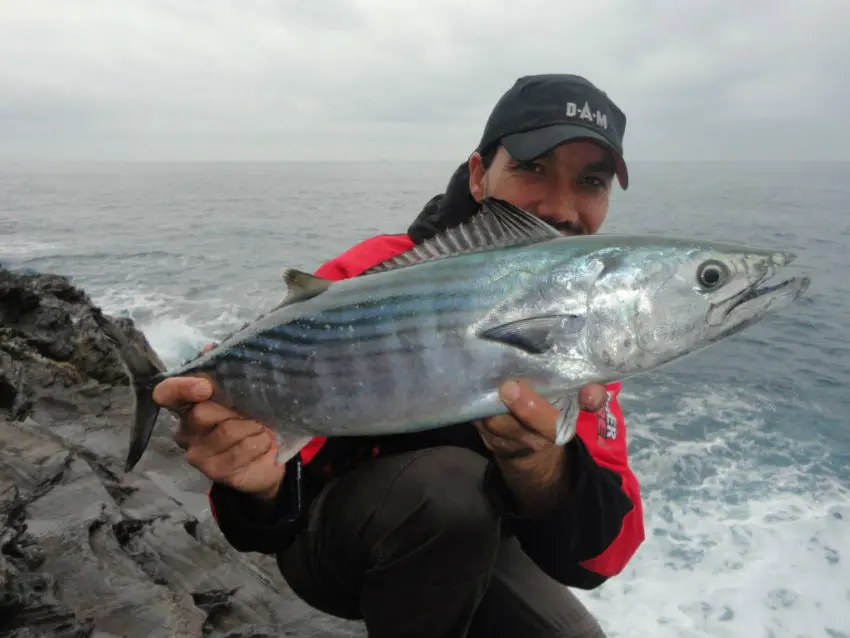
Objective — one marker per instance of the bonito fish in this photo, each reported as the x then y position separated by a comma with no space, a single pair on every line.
424,339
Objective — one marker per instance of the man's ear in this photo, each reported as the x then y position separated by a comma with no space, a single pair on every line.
476,176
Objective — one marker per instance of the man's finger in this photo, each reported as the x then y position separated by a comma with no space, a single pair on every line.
200,420
227,434
506,430
260,471
175,393
225,465
205,416
530,408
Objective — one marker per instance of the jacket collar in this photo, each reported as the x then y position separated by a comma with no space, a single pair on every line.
445,210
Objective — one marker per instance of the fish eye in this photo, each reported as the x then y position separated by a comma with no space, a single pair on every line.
712,273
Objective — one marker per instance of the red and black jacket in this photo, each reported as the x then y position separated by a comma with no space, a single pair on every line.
590,538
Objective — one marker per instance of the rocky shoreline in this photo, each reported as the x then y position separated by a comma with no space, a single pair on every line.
85,550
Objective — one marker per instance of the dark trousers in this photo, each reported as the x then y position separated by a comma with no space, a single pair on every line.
410,544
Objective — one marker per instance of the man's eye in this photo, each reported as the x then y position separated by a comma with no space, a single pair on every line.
594,181
530,167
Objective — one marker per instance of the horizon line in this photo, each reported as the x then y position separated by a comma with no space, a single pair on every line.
392,161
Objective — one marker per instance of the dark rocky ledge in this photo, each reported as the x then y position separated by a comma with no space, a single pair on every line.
84,550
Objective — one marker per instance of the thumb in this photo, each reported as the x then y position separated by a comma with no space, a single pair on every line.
593,398
176,392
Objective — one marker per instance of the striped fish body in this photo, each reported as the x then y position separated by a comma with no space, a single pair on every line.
399,350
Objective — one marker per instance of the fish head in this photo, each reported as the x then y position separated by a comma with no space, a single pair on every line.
655,303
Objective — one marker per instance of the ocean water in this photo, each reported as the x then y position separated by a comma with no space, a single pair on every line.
742,450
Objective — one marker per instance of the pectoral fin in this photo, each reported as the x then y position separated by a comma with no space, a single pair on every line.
537,334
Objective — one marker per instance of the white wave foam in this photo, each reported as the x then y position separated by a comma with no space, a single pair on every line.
22,247
734,547
707,570
174,340
175,326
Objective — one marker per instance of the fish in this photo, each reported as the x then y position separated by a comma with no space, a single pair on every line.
424,339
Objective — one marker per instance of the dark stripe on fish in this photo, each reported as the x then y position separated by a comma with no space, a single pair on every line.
287,362
356,342
401,305
363,325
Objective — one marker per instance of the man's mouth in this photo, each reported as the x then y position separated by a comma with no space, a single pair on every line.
568,228
565,226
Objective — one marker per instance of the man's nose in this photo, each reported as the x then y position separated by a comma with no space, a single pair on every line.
560,208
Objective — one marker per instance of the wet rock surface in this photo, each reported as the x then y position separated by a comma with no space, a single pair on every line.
84,549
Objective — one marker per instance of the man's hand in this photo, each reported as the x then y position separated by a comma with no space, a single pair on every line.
223,446
534,468
530,426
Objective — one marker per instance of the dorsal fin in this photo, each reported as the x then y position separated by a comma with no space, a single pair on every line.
496,224
302,286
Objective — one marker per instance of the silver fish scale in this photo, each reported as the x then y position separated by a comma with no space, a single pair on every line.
409,356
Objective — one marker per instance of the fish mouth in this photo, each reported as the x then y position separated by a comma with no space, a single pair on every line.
763,296
792,287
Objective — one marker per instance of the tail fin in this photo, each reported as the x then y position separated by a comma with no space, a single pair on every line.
145,369
144,418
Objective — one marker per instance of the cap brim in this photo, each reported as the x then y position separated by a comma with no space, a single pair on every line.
530,145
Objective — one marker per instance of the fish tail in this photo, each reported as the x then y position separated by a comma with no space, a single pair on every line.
145,415
144,370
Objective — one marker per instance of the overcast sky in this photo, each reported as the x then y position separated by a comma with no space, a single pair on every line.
389,79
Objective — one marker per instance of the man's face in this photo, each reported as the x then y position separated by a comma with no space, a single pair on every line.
570,187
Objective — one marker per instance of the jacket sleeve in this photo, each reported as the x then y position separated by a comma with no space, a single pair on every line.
250,527
599,527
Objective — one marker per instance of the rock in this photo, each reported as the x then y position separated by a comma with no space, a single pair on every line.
85,550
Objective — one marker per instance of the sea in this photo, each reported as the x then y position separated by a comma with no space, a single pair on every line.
742,450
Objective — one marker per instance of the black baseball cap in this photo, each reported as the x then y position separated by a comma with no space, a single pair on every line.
540,112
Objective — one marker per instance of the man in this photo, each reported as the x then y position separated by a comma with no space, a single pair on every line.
472,529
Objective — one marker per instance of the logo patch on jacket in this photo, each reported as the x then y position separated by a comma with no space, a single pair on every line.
606,423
